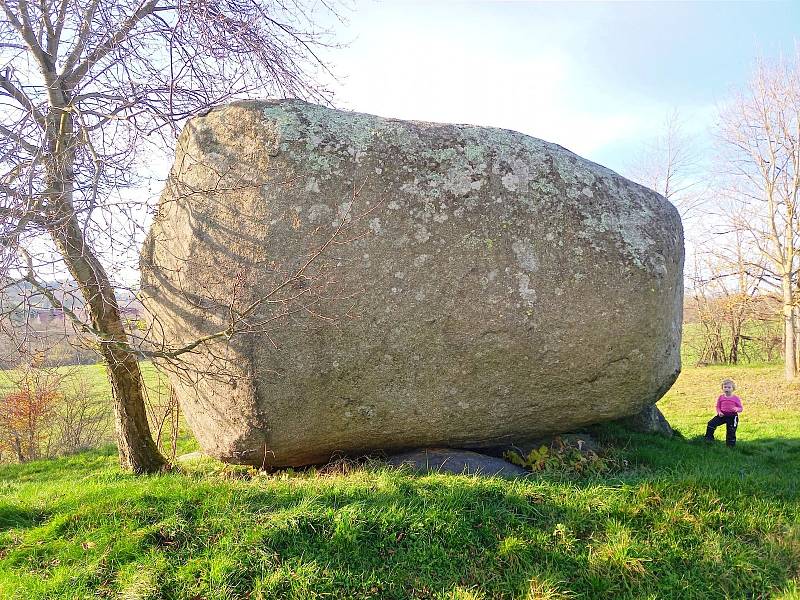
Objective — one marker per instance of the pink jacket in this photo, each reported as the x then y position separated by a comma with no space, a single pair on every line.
729,404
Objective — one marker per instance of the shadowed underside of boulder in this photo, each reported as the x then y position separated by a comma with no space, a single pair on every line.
455,462
649,420
488,287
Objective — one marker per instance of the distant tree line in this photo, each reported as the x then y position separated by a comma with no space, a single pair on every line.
739,201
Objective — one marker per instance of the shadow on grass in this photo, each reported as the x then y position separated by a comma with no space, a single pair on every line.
17,517
774,458
384,534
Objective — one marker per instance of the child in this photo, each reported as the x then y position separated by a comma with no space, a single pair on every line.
728,409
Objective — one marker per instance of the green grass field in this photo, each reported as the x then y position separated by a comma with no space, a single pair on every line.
682,520
93,380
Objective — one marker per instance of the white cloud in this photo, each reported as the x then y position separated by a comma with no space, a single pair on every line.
436,78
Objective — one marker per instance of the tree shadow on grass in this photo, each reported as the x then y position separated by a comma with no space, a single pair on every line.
774,463
388,534
13,516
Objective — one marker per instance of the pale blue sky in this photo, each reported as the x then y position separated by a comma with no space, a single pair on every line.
597,78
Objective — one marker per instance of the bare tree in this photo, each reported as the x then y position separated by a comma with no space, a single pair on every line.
80,419
50,411
85,87
670,165
760,136
726,291
26,413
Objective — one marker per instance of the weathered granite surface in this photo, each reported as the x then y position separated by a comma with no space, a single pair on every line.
500,287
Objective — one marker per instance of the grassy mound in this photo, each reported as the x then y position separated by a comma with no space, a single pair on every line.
684,519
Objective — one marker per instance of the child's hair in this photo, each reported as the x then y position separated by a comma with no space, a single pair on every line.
731,381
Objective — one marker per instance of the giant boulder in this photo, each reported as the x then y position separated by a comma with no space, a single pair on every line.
478,286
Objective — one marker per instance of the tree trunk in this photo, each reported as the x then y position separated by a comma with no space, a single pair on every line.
137,451
790,364
736,339
796,322
18,449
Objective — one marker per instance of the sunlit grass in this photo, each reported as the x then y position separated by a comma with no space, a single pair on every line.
673,525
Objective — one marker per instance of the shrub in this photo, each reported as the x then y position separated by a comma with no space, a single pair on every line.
24,417
571,458
81,418
51,412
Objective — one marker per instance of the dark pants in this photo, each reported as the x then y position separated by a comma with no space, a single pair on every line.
731,422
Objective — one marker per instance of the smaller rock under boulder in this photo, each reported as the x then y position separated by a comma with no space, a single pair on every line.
456,462
649,420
